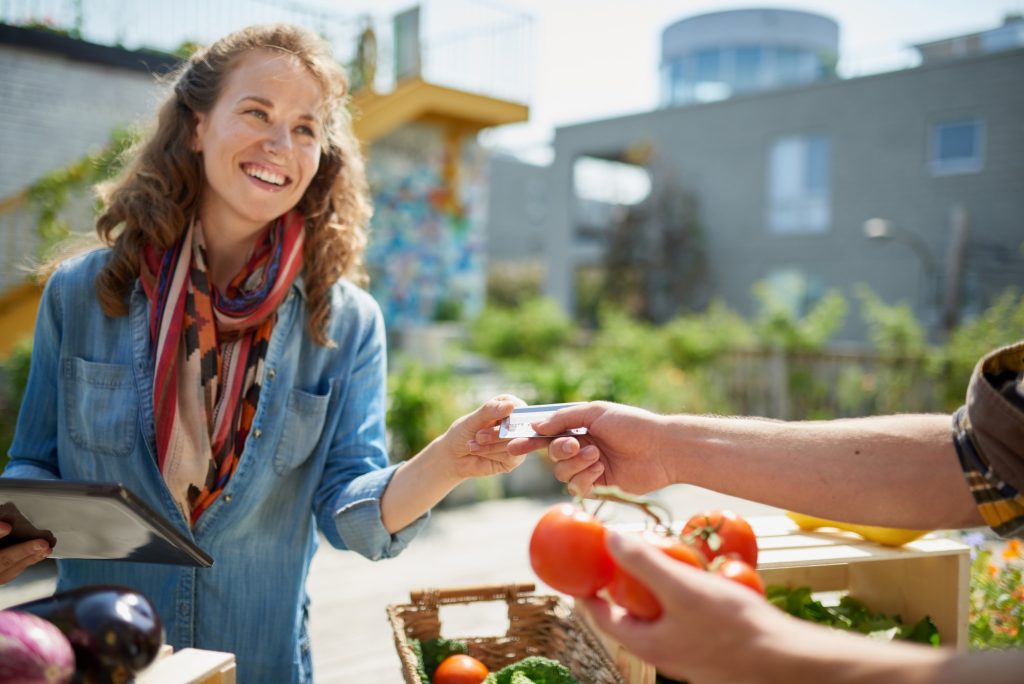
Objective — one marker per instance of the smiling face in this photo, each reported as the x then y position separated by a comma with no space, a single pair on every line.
260,143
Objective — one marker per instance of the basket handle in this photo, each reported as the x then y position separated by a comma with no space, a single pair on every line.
480,592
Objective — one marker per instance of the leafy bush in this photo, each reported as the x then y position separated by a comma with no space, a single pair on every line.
695,339
893,330
898,339
511,284
13,378
999,325
534,330
423,402
778,326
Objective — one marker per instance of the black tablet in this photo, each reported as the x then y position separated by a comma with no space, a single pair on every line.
93,520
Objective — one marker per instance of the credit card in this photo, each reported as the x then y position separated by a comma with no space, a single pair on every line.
519,422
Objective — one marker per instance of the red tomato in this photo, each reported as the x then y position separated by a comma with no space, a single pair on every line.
628,592
460,669
567,551
723,533
739,571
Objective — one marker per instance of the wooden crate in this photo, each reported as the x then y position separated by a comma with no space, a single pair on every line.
189,666
930,576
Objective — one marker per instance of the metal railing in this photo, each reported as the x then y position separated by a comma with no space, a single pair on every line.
475,45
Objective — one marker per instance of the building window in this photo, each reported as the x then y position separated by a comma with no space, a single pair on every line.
956,147
798,185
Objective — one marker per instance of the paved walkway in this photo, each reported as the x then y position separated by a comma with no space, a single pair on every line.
471,544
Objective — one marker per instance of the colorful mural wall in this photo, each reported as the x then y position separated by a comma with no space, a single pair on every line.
426,252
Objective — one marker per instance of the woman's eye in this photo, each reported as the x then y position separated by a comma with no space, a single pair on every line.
258,113
306,130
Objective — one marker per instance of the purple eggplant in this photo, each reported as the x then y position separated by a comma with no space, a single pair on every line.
33,651
114,631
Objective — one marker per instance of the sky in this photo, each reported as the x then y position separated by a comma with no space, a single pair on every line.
599,59
586,60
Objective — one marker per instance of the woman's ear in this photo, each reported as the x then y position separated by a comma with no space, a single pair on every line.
199,124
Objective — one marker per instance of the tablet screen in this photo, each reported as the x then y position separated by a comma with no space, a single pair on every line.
91,520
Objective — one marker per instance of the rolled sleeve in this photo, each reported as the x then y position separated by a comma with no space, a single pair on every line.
988,432
357,518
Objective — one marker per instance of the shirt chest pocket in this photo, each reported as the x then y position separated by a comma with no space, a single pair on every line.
101,406
303,427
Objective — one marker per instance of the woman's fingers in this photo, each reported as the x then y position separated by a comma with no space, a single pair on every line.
14,559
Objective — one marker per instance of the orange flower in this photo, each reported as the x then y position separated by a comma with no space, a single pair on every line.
993,570
1018,593
1012,549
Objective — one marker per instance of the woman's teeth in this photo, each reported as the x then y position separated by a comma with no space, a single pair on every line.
265,175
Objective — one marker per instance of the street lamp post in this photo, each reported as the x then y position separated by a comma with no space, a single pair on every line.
883,229
944,300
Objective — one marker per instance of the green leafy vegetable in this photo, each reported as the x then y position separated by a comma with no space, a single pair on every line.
851,615
430,653
532,670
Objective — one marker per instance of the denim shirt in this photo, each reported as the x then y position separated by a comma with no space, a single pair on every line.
315,459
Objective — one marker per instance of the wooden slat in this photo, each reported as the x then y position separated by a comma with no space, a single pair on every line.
190,666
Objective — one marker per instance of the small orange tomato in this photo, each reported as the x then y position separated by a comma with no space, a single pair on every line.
723,533
739,571
460,669
637,599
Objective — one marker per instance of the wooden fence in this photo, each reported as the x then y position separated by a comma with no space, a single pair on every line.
803,386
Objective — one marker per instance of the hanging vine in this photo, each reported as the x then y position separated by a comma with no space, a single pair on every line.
49,195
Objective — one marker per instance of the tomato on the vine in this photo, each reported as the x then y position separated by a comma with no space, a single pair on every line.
722,533
460,669
741,572
628,592
567,551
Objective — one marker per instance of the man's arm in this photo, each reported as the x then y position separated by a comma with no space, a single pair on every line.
899,471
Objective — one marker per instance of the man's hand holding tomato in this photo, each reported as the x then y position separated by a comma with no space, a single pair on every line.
706,625
712,630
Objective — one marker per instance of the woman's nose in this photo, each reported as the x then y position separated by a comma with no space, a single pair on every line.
278,141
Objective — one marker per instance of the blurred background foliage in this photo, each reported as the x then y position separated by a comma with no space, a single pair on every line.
776,363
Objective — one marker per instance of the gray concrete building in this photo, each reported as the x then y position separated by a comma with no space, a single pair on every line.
786,182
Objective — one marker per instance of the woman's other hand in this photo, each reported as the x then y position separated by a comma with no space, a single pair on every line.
14,559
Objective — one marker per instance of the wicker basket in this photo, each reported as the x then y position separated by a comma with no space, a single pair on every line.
538,625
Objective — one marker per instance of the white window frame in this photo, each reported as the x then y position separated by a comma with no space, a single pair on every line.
799,214
950,167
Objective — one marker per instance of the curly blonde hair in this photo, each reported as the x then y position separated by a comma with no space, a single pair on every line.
157,195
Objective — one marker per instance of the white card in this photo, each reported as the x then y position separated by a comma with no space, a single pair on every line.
518,424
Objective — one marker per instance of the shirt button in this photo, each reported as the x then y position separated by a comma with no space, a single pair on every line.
227,498
256,433
271,372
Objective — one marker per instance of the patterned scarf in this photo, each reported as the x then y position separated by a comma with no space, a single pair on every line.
210,350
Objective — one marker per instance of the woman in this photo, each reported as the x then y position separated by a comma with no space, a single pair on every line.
219,361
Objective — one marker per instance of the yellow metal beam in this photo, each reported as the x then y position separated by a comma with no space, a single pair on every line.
375,115
18,306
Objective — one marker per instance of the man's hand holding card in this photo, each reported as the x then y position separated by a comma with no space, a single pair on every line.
519,423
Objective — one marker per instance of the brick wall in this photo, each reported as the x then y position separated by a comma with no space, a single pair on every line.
55,107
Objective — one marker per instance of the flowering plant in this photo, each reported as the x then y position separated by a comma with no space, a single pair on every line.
997,594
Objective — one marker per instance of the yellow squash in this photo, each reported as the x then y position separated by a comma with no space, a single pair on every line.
889,536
